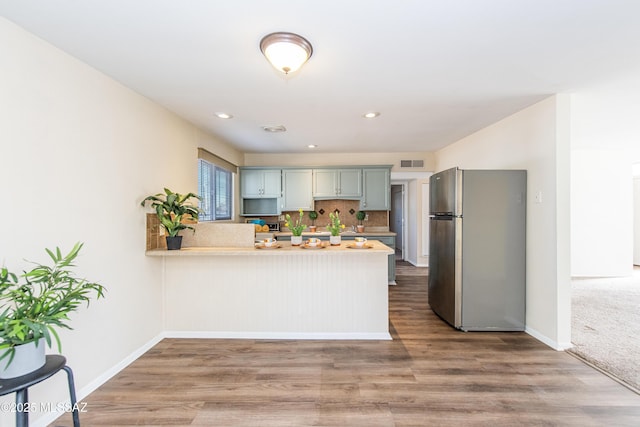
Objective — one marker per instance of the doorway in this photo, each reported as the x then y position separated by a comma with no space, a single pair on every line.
396,218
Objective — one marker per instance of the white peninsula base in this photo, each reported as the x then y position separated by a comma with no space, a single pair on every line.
284,293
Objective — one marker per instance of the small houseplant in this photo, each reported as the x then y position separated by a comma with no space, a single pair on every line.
296,228
313,215
34,304
335,227
360,216
171,209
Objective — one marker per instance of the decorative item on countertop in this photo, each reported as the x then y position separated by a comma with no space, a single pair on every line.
296,228
360,216
313,215
31,310
171,209
335,227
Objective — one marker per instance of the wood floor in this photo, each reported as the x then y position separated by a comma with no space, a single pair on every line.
429,375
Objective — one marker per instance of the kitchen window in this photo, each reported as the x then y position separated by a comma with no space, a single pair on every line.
215,186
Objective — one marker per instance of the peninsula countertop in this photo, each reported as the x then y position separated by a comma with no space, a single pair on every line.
287,248
345,234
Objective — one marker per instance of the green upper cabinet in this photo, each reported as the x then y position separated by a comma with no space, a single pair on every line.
376,194
337,183
256,183
297,189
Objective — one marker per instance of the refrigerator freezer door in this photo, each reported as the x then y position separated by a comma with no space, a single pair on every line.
444,283
443,192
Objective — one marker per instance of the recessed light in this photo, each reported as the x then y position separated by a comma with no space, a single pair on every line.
371,115
279,128
312,146
224,116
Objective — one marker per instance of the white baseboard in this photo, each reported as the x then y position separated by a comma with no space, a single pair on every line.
548,341
279,336
416,264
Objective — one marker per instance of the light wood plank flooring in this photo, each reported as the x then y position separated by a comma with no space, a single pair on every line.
429,375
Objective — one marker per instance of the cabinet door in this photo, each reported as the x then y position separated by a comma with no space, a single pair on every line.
325,183
376,190
251,183
272,183
260,183
350,184
297,194
391,242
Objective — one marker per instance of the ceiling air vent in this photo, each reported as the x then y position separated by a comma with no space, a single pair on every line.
411,163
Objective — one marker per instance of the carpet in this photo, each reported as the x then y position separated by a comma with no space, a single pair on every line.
605,325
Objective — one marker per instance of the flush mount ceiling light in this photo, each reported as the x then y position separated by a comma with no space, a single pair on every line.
224,116
273,129
312,146
371,115
286,51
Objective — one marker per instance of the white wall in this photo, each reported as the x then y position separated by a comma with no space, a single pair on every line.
636,215
601,213
79,152
605,142
535,139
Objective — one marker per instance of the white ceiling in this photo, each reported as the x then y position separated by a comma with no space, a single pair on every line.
436,70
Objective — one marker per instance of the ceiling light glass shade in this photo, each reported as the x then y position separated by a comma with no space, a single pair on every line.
286,51
274,129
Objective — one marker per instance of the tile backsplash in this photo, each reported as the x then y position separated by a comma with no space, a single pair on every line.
347,212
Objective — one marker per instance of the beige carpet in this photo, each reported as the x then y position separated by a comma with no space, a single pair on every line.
605,325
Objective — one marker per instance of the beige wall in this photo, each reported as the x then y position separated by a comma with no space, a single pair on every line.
317,158
79,152
535,139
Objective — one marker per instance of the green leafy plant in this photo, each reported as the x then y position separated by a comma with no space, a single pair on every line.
32,308
360,216
298,227
335,227
172,208
313,215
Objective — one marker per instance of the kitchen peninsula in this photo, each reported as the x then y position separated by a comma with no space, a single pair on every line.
221,286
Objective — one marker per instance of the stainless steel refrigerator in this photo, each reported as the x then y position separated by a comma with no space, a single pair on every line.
477,248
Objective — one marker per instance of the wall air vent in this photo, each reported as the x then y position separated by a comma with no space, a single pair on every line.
411,163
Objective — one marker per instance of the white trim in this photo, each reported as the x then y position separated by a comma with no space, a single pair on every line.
418,264
278,335
404,228
548,341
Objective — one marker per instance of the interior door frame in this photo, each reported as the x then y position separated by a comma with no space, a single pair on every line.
405,219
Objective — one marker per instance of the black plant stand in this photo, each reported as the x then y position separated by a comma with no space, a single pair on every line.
20,385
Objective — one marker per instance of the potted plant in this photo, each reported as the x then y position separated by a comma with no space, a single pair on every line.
171,209
313,215
296,228
33,305
335,227
360,216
